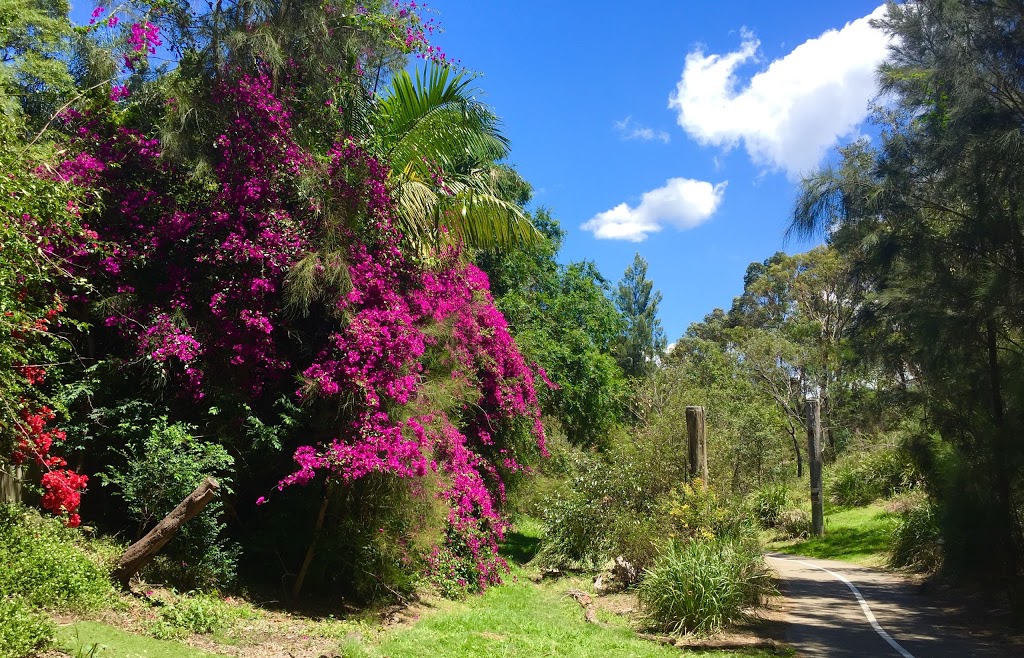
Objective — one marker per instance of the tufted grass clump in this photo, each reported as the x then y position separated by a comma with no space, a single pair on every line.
701,585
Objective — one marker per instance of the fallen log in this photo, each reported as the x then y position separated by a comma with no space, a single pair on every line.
589,613
141,552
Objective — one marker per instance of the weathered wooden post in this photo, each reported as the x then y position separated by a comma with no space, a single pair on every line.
698,446
814,462
11,476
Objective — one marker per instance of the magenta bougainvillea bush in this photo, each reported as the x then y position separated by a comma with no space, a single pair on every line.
196,288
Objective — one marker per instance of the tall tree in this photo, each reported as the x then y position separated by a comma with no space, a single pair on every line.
643,340
563,319
935,218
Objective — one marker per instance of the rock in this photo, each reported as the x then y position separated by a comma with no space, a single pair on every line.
624,572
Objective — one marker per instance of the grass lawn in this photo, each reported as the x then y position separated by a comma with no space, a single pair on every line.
94,640
520,619
861,534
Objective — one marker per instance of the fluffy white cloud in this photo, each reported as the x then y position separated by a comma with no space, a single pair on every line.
791,113
629,129
680,202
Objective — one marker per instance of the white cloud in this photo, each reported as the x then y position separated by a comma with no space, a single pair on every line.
680,202
791,113
629,129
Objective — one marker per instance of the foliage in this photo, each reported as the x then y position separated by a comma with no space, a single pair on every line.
45,565
917,538
747,437
39,232
643,340
34,76
931,220
698,586
769,503
23,632
563,319
154,474
620,503
860,478
407,367
794,523
196,613
444,149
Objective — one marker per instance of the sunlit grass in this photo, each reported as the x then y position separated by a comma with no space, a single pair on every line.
90,639
520,619
861,534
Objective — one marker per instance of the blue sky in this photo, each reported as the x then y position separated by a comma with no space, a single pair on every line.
699,116
677,129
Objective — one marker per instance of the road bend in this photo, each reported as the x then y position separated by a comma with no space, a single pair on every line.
845,610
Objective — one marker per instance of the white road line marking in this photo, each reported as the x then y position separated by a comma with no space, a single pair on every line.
863,606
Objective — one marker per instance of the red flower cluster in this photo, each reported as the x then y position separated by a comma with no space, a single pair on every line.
62,486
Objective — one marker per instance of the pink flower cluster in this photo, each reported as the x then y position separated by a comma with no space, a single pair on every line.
203,278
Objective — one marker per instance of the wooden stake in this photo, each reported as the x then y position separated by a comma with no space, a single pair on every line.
141,552
696,430
814,465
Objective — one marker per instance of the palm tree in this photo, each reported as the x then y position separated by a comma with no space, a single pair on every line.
445,150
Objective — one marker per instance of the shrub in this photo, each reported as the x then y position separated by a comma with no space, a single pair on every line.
196,613
794,523
45,565
604,506
768,504
625,503
701,585
917,538
22,631
858,479
158,472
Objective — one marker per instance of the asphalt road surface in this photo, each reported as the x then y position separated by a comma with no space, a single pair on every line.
845,610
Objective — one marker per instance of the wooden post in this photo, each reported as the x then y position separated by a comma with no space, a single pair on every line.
814,465
696,430
11,476
141,552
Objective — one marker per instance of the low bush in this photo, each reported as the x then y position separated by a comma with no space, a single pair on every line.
859,478
162,464
196,613
769,503
698,586
45,565
794,523
625,503
23,632
917,538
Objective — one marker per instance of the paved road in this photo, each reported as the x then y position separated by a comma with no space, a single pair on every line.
825,617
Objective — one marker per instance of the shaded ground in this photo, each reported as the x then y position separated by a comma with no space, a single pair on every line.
826,619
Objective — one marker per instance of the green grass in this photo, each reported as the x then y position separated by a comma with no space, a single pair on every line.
861,534
78,640
518,619
523,542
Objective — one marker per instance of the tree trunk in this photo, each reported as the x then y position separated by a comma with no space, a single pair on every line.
1004,489
308,559
141,552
